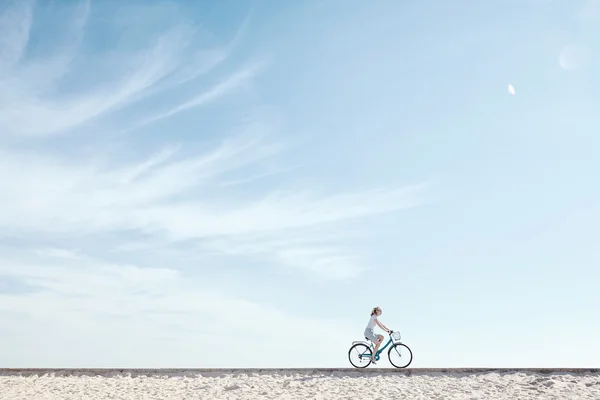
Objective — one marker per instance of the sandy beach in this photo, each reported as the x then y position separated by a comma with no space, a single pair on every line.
311,384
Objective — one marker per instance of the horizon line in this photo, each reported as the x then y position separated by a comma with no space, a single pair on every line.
108,372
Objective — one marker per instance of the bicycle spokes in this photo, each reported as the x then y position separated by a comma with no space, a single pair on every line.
360,355
400,355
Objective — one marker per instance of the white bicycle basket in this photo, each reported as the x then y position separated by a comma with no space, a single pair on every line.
396,335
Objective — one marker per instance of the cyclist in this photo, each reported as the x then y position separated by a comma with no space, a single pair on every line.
369,334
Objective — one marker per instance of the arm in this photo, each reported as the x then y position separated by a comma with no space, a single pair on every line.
382,326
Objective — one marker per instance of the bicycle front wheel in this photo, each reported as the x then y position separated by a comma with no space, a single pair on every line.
400,355
360,355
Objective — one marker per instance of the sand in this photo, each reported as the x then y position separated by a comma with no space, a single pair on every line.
303,385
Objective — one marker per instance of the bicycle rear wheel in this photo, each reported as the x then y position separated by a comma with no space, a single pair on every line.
360,355
400,355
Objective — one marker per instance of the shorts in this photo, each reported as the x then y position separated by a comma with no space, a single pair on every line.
369,334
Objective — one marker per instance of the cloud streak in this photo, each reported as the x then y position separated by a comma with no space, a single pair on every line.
307,253
141,309
48,194
229,86
128,78
15,24
225,192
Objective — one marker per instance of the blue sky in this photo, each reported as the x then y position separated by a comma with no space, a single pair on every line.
237,185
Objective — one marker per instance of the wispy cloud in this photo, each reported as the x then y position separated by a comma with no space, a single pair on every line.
164,189
310,253
232,83
202,62
173,192
15,24
88,197
52,195
33,86
126,305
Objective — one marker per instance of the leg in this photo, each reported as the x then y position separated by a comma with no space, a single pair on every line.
377,344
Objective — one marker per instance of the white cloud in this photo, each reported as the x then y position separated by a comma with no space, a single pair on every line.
124,305
55,115
31,88
15,23
232,83
171,192
311,252
170,195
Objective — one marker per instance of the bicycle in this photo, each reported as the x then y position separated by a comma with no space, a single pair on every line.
365,349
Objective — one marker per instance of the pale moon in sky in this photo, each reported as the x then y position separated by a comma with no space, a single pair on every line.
511,89
572,57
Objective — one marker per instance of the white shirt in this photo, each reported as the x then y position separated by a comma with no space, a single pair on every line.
371,323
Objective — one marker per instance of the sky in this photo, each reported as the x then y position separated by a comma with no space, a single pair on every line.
237,184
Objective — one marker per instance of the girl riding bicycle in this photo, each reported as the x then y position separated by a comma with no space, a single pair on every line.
369,334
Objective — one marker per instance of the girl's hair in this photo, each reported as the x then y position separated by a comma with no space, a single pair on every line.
374,310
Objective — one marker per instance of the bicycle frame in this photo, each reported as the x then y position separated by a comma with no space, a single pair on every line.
383,348
390,341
